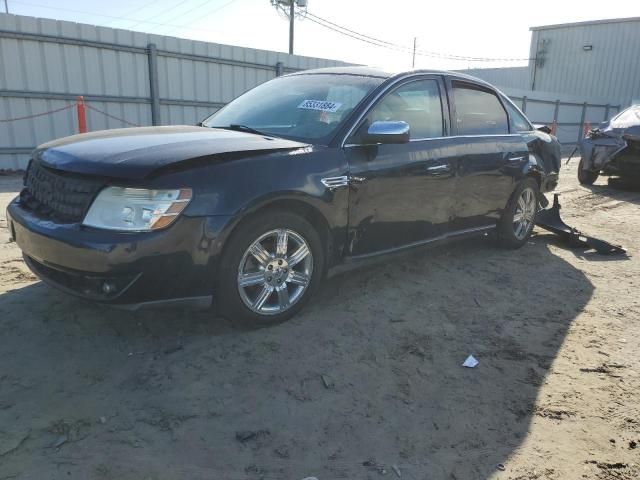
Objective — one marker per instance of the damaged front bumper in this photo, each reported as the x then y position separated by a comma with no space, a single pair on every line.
614,147
550,220
174,266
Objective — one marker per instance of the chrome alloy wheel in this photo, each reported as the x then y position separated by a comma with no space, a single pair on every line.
275,271
525,213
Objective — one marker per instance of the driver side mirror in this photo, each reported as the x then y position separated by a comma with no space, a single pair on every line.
543,128
387,132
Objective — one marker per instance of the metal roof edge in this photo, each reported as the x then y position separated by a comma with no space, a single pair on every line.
585,23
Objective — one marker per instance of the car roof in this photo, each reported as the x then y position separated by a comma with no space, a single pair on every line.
379,73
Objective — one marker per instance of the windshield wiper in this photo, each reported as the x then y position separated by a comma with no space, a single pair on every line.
244,128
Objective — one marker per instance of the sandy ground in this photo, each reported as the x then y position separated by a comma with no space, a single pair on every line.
366,383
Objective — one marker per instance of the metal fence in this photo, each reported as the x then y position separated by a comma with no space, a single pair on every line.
570,118
127,78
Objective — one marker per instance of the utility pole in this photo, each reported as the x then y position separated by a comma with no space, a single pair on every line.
292,16
413,62
290,8
6,6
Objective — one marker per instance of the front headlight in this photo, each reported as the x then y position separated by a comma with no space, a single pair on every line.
136,209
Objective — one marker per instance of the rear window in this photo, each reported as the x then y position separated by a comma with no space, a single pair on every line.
478,111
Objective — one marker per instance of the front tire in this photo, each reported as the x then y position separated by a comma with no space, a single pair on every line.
519,217
273,264
586,177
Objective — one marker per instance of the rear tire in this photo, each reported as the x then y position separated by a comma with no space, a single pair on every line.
586,177
519,216
273,264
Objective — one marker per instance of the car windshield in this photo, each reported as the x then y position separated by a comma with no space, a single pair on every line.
307,108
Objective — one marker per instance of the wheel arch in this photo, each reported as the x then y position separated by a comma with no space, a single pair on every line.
300,205
537,176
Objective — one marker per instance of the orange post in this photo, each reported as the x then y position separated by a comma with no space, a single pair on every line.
554,128
587,127
82,114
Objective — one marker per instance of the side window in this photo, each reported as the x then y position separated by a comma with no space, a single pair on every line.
517,120
417,103
478,112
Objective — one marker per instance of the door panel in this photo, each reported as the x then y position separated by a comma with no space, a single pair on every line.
491,157
406,197
487,175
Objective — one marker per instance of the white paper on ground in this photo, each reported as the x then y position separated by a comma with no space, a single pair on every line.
470,362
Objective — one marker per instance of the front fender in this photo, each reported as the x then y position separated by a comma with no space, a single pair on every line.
236,188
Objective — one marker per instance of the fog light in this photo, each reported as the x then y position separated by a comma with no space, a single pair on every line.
108,287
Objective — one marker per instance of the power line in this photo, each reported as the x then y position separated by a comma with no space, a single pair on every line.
349,30
115,17
142,7
355,37
394,46
404,48
309,16
162,12
206,15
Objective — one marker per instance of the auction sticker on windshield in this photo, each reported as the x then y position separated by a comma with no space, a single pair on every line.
320,105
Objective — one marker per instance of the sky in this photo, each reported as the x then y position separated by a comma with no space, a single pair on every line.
495,29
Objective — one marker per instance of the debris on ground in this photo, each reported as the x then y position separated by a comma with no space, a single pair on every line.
470,362
245,436
373,465
61,440
604,368
327,381
553,413
549,219
171,350
608,465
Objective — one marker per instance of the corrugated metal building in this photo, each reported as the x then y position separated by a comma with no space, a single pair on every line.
596,59
599,58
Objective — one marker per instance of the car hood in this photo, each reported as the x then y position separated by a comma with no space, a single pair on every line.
134,153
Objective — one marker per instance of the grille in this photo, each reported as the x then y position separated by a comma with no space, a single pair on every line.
56,195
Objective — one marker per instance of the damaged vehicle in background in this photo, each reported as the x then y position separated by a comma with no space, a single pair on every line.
613,148
288,182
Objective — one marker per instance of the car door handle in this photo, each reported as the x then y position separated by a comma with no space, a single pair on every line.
516,159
